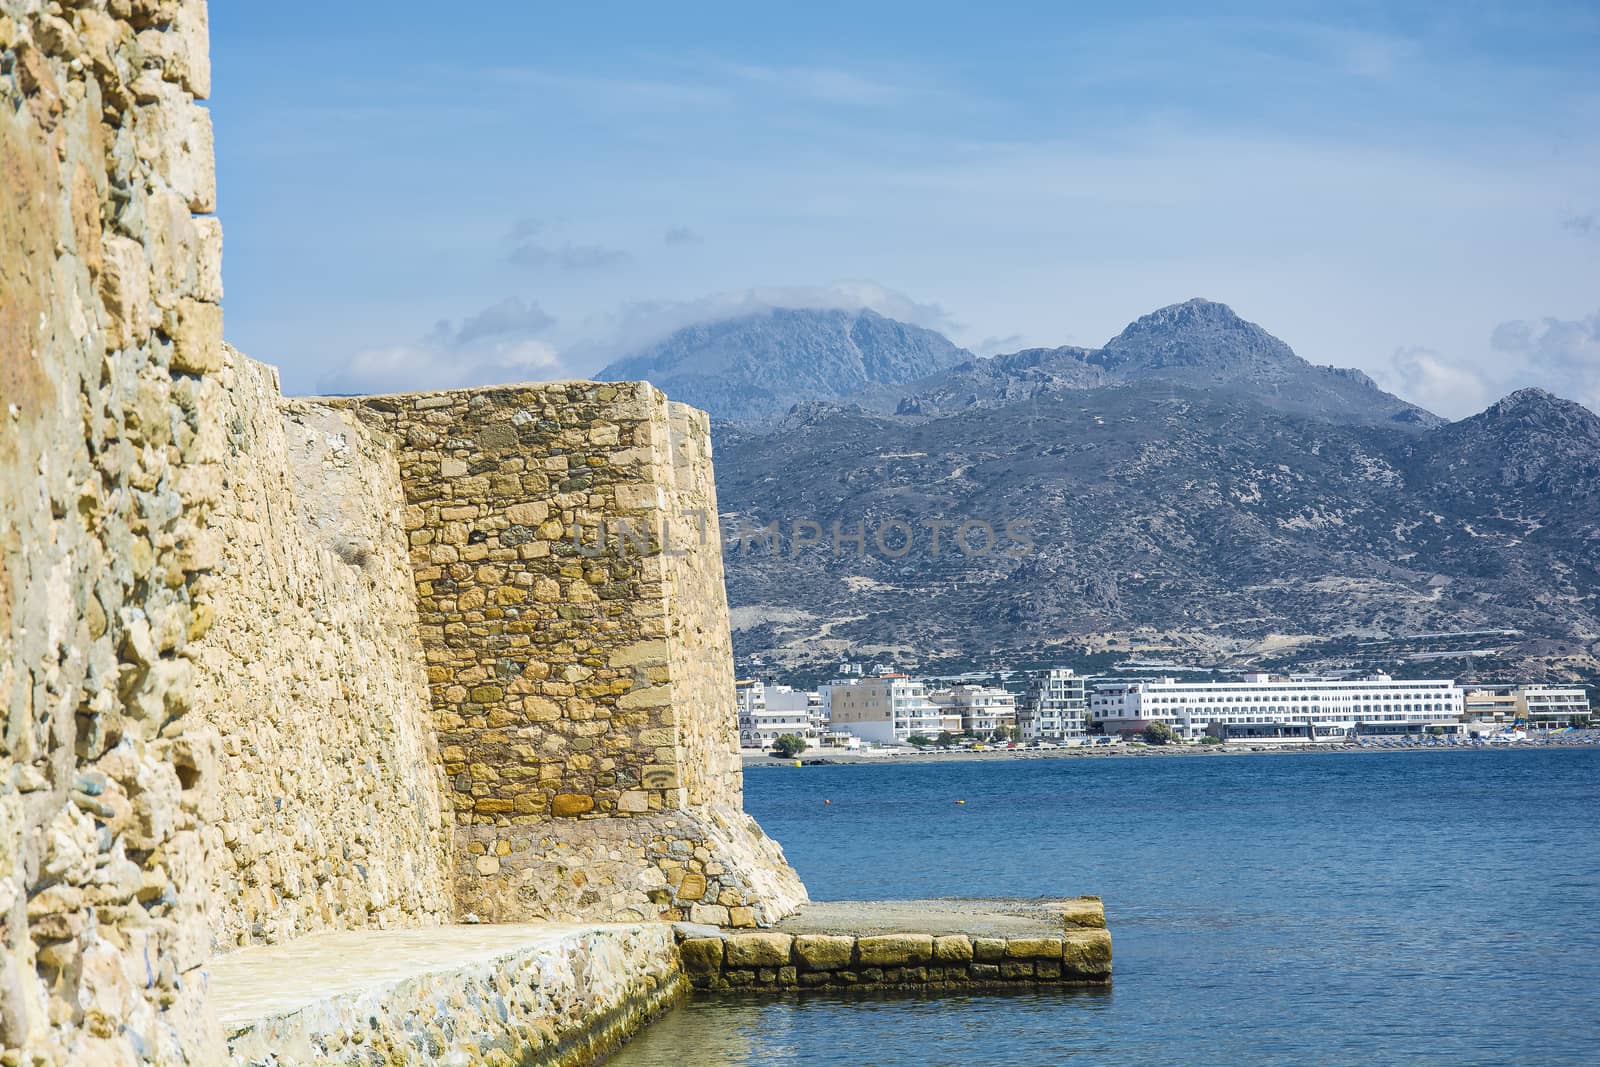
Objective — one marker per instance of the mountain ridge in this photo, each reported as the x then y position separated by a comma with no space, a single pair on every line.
1198,342
758,365
1191,522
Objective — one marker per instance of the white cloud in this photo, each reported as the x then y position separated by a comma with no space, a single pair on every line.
513,315
1424,377
994,346
492,346
1562,355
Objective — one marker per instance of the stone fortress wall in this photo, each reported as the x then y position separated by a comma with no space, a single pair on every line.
110,335
279,667
573,617
329,811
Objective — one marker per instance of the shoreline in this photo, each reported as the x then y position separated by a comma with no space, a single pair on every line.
829,757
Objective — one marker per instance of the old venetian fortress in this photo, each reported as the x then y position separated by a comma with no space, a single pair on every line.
282,674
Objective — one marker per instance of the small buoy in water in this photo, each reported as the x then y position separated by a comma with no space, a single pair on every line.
827,802
961,802
797,763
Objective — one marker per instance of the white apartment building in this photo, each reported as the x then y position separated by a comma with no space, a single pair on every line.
1259,705
982,709
887,709
1548,706
761,723
1055,706
796,707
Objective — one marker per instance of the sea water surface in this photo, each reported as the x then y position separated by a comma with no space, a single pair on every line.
1340,908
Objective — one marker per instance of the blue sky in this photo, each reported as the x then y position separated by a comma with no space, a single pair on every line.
417,196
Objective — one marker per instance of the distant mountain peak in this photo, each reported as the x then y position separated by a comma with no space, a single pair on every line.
758,365
1531,398
1538,407
1199,335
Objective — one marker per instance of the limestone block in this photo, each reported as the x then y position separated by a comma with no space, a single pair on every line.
953,948
712,914
646,497
567,805
1084,912
761,949
701,955
895,950
824,952
1086,953
196,332
1033,948
988,949
125,291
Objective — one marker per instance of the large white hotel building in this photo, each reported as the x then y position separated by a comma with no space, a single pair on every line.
1259,705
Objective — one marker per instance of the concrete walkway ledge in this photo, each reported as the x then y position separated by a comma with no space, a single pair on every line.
908,944
512,995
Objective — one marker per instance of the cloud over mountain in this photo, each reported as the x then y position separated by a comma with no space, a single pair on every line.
499,343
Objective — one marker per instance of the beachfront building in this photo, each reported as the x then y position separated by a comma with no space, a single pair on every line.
761,722
888,709
1548,706
1539,706
1055,706
797,711
1260,706
1491,705
981,709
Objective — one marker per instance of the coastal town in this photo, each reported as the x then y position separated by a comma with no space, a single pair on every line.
878,709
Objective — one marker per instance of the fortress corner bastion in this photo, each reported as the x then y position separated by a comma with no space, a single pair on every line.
572,615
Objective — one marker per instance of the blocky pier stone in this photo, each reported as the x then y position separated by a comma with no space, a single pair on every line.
908,944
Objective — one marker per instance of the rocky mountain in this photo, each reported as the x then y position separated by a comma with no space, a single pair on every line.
1188,521
1198,343
758,366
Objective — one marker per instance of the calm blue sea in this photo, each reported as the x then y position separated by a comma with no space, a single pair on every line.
1360,908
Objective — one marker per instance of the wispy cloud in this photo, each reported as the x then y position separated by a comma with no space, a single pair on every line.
499,343
1582,225
681,235
1428,378
993,346
513,315
568,257
530,249
1562,355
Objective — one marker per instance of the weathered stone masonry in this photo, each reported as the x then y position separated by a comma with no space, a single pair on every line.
330,811
110,331
582,685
